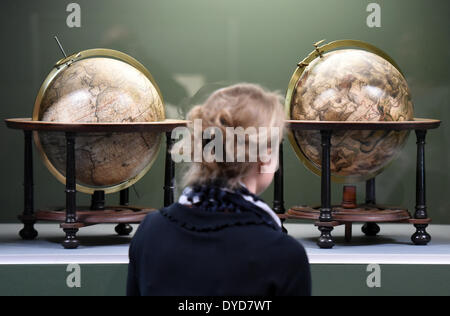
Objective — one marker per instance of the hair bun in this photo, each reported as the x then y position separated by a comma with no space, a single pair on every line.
242,105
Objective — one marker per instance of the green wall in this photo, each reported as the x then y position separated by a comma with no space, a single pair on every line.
329,279
185,43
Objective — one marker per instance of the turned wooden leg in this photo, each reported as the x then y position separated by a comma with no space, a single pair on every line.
169,176
28,232
420,237
70,242
348,232
124,229
98,200
278,199
370,229
325,239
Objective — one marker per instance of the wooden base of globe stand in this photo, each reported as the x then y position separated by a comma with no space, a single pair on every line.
71,217
326,216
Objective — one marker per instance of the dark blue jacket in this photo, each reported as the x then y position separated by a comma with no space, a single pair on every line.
188,251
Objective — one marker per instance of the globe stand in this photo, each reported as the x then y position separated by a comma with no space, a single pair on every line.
278,200
327,217
370,229
71,217
124,229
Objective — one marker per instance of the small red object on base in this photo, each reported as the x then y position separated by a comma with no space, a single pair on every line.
349,196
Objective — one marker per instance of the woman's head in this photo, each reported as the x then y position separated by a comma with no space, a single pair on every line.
245,109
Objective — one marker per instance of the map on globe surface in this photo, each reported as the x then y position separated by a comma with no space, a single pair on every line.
352,85
96,90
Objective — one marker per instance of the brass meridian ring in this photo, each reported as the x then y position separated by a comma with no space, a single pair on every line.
57,69
318,52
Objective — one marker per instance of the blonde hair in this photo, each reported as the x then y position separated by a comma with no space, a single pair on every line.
241,105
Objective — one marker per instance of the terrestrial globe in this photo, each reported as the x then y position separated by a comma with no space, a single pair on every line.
357,84
98,86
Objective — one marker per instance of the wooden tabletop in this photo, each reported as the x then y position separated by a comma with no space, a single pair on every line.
124,127
169,124
417,123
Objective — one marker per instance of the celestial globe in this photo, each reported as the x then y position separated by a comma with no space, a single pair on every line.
351,85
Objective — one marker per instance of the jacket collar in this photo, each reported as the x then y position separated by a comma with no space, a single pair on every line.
195,219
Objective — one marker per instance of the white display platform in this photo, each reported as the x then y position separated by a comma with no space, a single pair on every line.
100,245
